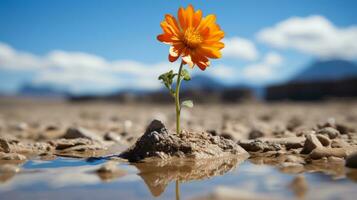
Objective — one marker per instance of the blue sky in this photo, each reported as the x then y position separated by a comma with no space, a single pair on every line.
124,33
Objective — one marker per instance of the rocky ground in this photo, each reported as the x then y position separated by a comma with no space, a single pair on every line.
295,137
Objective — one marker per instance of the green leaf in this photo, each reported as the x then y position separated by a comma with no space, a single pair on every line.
186,75
187,103
167,78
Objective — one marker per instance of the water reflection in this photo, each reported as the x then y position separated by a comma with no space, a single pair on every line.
65,178
158,174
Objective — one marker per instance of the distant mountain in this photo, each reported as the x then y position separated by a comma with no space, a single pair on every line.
29,89
327,70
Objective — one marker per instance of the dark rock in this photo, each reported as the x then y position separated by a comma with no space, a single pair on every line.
4,145
212,132
159,143
351,161
331,122
73,133
227,136
51,128
255,133
311,143
343,129
254,146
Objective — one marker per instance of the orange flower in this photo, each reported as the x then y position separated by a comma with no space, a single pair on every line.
192,37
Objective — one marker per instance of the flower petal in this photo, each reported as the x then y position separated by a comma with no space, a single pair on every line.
189,15
210,52
197,18
187,59
209,19
182,18
173,23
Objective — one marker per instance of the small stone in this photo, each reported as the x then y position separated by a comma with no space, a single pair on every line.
5,146
157,126
344,129
255,133
51,128
73,133
227,136
311,143
212,132
325,141
304,132
329,131
252,146
330,122
321,152
21,126
111,136
351,161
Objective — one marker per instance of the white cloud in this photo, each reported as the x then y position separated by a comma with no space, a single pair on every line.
241,48
82,72
313,35
223,72
273,59
12,59
264,70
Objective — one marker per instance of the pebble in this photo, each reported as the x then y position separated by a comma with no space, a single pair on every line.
325,141
311,143
332,133
4,145
255,133
73,133
21,126
111,136
351,161
321,152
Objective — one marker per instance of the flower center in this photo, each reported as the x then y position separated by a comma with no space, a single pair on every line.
192,38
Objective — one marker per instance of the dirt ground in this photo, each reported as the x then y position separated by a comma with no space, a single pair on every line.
305,132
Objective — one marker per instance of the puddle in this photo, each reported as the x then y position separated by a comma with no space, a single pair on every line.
66,178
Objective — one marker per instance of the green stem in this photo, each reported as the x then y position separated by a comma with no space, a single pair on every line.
177,190
177,99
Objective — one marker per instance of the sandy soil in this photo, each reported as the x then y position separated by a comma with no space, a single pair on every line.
305,132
